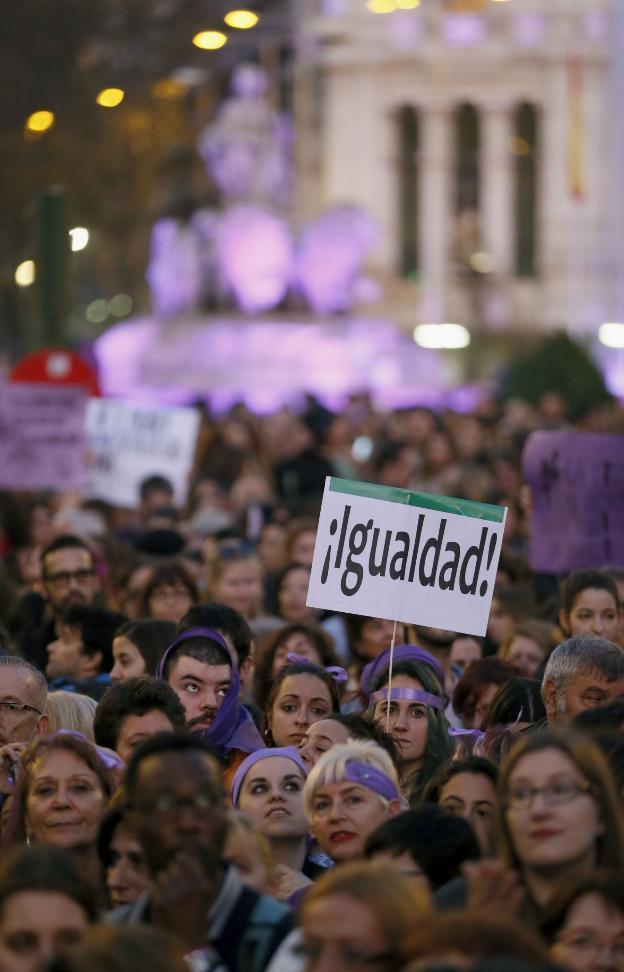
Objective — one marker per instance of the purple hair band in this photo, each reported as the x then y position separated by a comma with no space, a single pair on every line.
286,752
372,778
337,673
401,653
407,695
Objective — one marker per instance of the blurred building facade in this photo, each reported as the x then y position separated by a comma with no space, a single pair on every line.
482,135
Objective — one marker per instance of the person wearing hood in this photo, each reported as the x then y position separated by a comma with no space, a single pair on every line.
200,668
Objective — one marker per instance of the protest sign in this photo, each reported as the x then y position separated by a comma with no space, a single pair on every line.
577,499
129,442
392,553
42,441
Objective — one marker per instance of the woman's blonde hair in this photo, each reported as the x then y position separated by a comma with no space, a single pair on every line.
71,710
393,897
332,766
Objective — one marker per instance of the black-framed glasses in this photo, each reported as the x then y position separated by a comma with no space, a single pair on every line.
555,794
63,577
13,708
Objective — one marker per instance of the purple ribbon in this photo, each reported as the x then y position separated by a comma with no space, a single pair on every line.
372,778
337,673
287,752
407,695
401,653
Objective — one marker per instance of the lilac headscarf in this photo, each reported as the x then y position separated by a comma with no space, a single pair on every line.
233,727
401,653
287,752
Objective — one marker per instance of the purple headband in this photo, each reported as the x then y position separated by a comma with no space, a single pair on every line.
337,673
407,695
287,752
372,778
401,653
110,758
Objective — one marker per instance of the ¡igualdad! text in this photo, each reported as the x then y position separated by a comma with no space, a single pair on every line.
402,556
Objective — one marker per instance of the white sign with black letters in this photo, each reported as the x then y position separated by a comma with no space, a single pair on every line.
129,442
406,556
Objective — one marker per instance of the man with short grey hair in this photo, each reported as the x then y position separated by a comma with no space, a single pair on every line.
23,695
581,673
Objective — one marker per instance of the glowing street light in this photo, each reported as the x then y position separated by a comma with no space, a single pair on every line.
110,97
241,19
441,336
381,6
210,40
611,334
79,237
40,121
25,274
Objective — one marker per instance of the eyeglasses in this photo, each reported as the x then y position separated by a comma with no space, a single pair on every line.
14,708
556,793
63,577
166,804
590,942
347,956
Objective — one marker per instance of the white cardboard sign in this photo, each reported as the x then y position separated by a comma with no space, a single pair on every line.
406,556
129,442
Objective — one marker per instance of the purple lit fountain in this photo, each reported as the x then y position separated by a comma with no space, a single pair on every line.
245,260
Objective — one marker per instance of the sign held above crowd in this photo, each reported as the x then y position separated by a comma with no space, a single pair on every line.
577,500
406,556
129,442
42,438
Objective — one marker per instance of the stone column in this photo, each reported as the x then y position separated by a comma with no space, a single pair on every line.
436,157
496,185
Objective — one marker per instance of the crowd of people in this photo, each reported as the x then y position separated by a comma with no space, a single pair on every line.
199,771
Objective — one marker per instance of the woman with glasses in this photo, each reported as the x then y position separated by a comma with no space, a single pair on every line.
348,924
585,925
169,593
559,815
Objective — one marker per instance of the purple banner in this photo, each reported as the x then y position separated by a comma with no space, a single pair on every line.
577,489
42,436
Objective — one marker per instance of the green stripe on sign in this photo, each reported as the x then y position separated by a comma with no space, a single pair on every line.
426,501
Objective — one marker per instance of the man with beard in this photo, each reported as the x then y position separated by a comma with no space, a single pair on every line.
68,578
201,670
177,807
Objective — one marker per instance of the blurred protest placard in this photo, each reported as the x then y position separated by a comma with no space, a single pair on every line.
42,439
392,553
577,498
129,442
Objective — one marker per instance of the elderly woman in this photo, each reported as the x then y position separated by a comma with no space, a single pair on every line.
64,787
353,788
